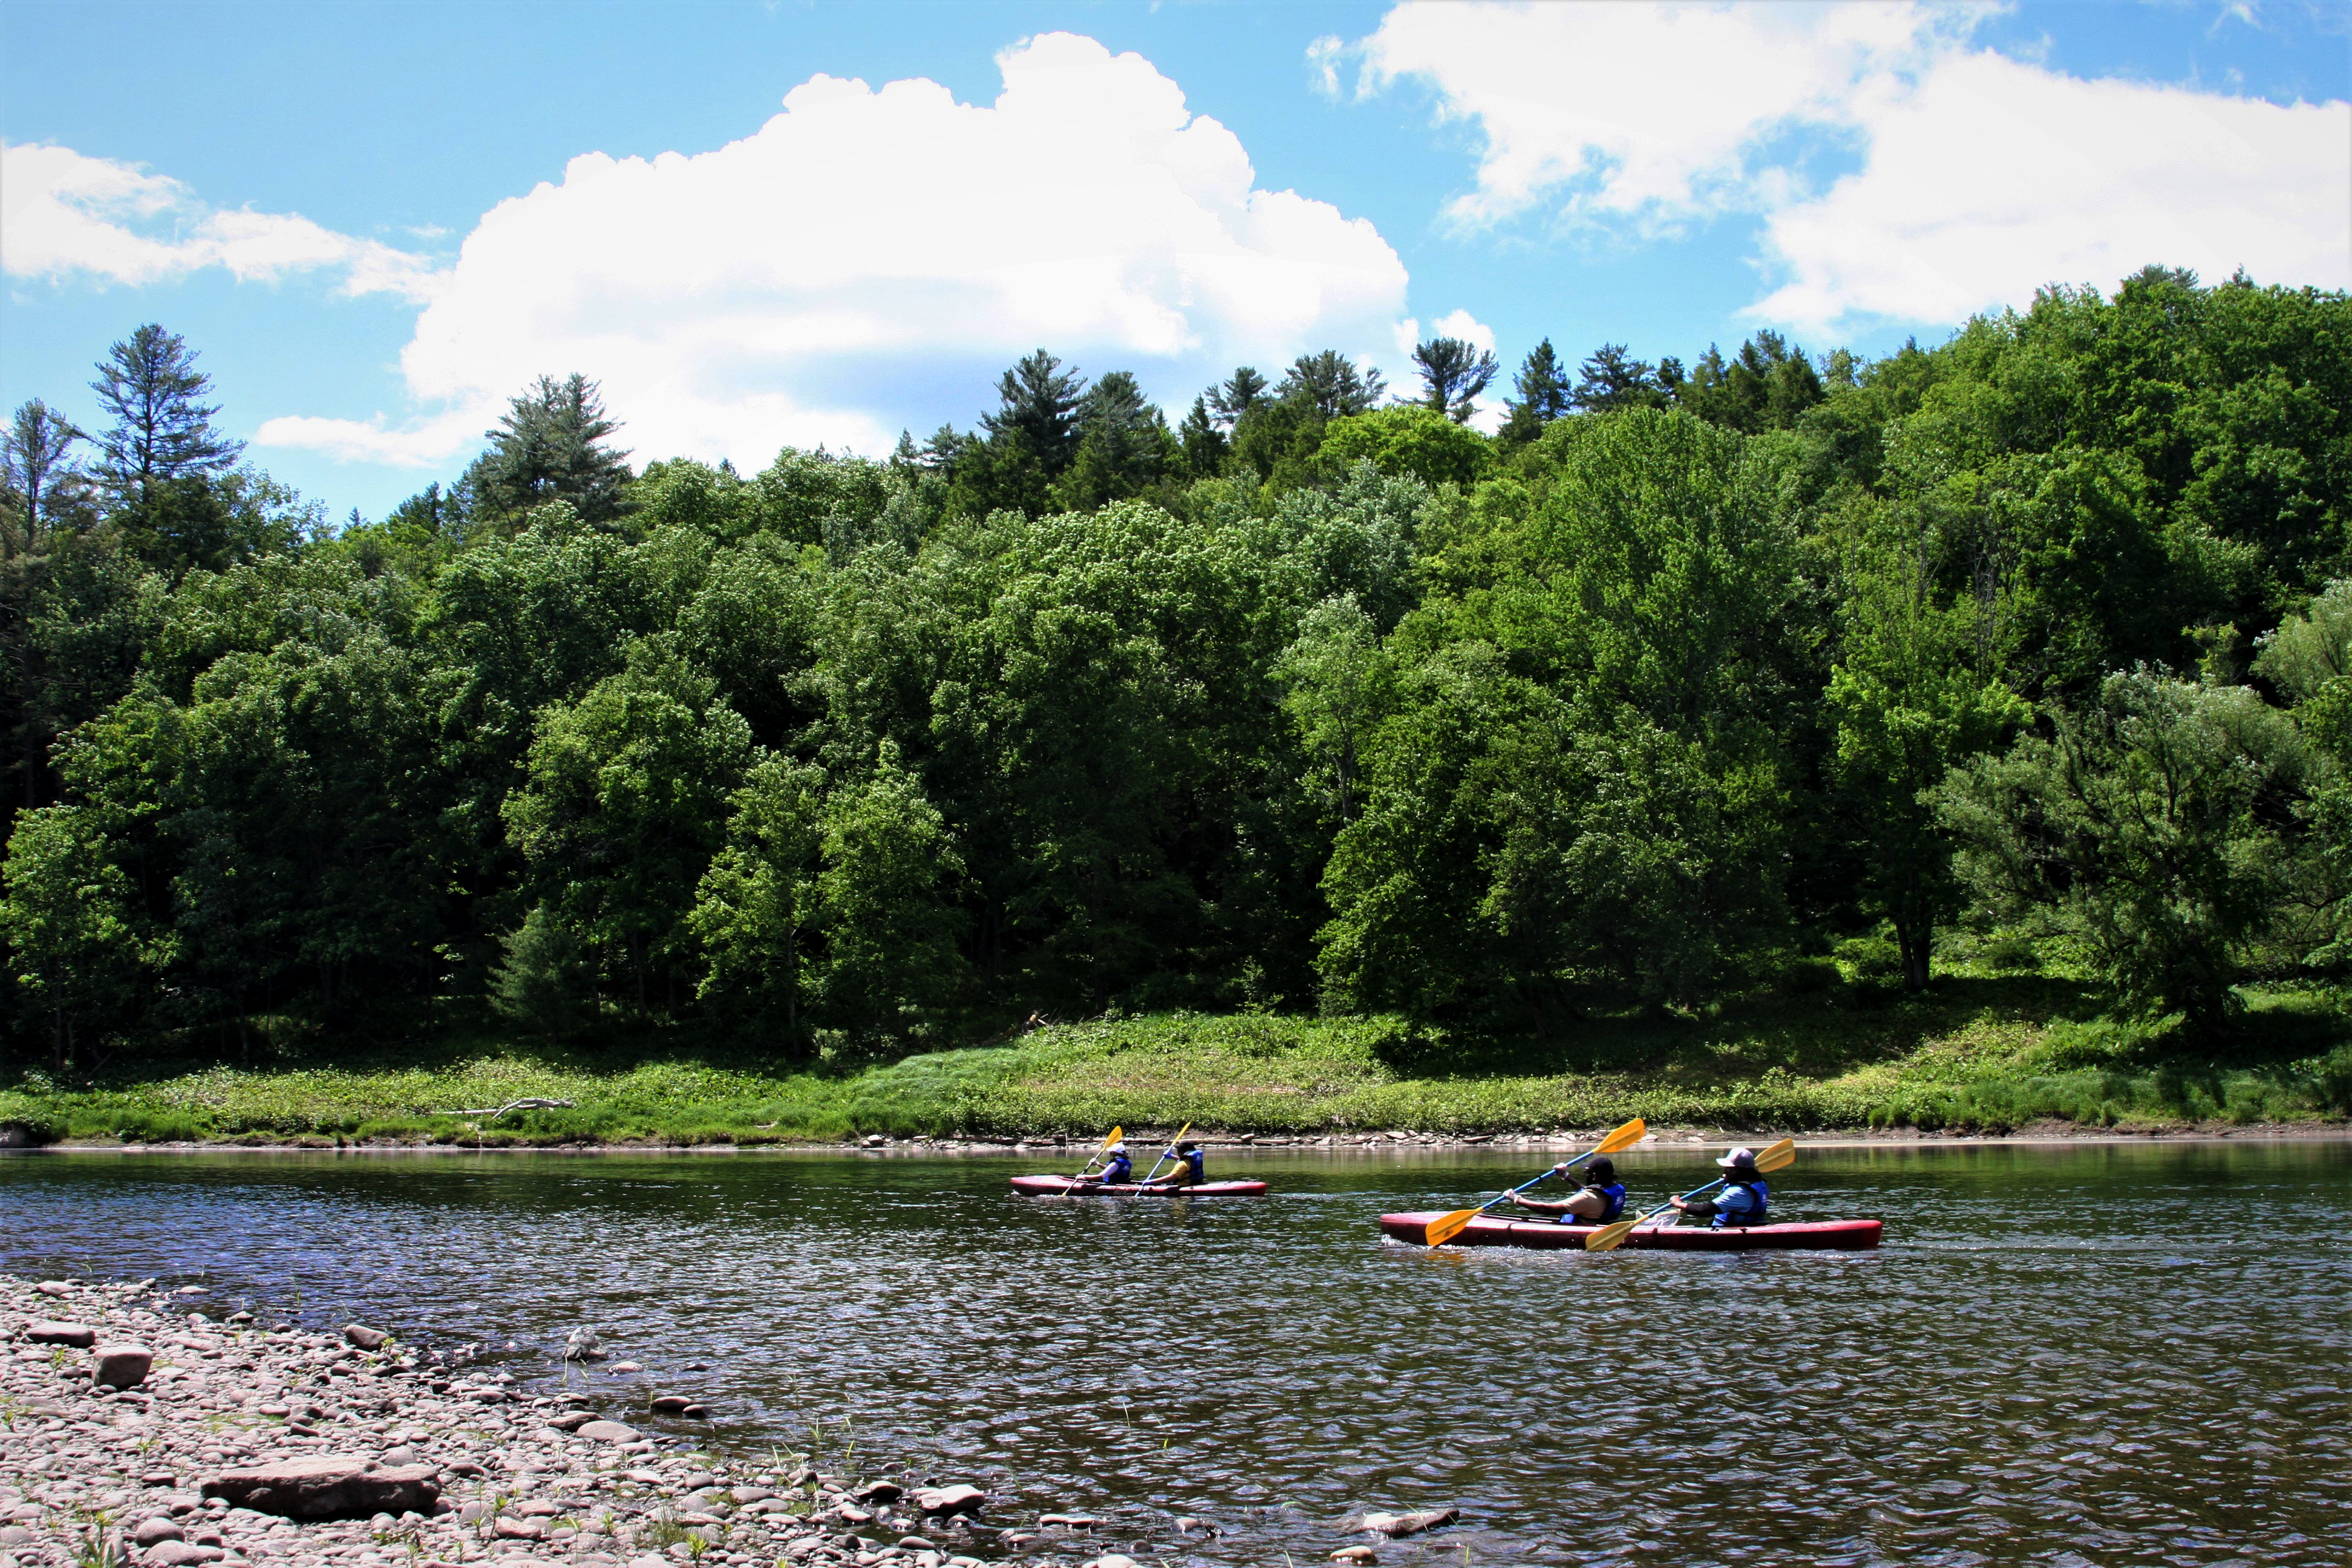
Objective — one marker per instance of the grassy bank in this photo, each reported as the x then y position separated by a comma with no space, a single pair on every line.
1981,1054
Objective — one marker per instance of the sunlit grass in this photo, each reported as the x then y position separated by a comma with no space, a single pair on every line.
1988,1053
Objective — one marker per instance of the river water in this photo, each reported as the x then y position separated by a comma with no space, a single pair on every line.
2078,1354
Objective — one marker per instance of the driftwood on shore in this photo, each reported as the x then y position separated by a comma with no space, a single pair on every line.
488,1115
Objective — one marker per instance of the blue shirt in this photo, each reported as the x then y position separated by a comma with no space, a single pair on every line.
1737,1205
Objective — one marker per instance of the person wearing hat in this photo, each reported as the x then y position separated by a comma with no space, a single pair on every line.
1601,1199
1741,1201
1118,1169
1191,1168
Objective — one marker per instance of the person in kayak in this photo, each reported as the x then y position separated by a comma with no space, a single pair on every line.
1742,1200
1191,1168
1118,1169
1601,1199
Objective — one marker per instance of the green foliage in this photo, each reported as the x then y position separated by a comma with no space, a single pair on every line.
1677,699
1406,439
2148,829
542,985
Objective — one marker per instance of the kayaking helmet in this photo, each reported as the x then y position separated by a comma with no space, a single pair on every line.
1602,1172
1119,1148
1741,1158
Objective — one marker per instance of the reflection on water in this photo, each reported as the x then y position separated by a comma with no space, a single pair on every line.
2073,1354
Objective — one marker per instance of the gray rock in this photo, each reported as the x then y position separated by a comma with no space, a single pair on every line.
879,1491
958,1499
607,1432
1395,1525
670,1404
121,1366
175,1553
364,1338
81,1336
330,1487
1113,1560
15,1535
916,1543
151,1530
571,1420
397,1456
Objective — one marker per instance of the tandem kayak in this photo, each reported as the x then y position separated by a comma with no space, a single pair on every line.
1063,1186
1841,1235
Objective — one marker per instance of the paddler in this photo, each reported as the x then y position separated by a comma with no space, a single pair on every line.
1118,1169
1742,1200
1601,1200
1191,1168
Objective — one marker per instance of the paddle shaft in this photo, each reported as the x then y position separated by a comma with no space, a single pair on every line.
1164,1153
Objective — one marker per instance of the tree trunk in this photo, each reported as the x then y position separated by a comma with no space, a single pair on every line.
1914,937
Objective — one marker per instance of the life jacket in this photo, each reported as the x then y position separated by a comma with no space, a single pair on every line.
1119,1169
1197,1163
1755,1186
1613,1195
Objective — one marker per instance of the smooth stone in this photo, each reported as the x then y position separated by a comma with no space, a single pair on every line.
621,1368
879,1491
916,1543
328,1487
670,1404
607,1432
1073,1521
1355,1554
175,1553
121,1366
1396,1524
507,1529
958,1499
750,1494
571,1420
364,1338
1113,1560
396,1457
80,1336
151,1530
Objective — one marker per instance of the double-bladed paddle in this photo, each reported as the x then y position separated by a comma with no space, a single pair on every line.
1610,1236
1448,1226
1166,1152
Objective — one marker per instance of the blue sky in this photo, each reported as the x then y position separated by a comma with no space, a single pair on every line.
290,187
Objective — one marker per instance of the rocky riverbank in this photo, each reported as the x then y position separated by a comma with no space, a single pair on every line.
134,1432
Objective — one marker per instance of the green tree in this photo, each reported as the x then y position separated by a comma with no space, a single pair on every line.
1334,679
550,446
2150,827
624,805
1043,402
76,942
757,913
1452,374
1610,380
150,385
1544,396
1906,702
892,968
540,983
1406,439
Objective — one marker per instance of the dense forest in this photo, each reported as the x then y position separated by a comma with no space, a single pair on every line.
1764,671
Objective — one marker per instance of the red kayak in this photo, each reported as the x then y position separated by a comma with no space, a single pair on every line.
1841,1235
1063,1186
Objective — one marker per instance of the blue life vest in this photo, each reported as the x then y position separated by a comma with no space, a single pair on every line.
1197,1163
1614,1195
1753,1217
1119,1169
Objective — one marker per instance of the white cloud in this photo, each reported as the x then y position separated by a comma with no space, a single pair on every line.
1982,176
1995,177
825,277
65,215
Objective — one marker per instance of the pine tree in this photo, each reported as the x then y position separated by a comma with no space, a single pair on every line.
1330,382
1452,374
1614,380
1235,396
1040,399
37,478
1543,396
549,447
151,384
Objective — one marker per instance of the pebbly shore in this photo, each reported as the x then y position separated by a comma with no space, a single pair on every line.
137,1434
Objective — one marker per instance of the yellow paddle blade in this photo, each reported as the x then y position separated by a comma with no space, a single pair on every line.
1112,1137
1783,1154
1610,1236
1625,1137
1445,1227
